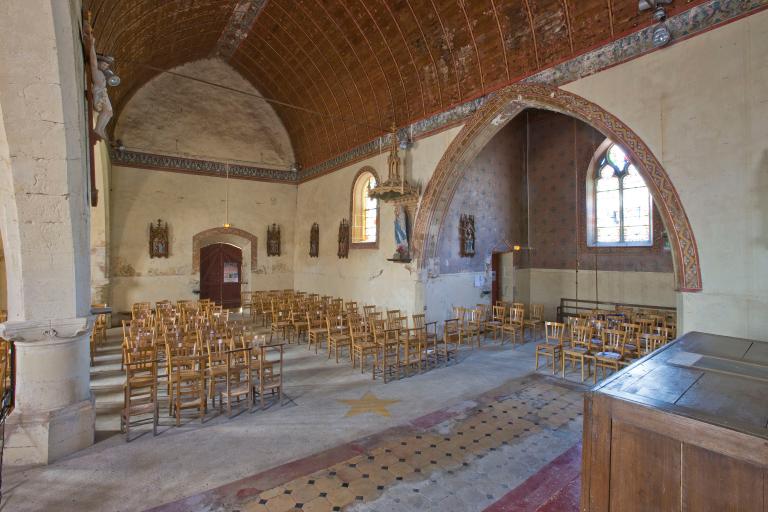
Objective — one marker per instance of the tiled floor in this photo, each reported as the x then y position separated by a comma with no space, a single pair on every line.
474,432
466,462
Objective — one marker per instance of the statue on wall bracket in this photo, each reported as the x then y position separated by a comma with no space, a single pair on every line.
314,241
402,248
343,239
467,235
158,240
273,240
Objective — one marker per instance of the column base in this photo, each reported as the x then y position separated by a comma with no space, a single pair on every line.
44,437
54,413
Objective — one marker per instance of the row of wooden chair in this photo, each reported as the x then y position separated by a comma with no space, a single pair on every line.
199,362
597,345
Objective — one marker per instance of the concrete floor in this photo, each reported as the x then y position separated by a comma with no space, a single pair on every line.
151,471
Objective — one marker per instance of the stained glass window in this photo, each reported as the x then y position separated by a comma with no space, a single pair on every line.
365,210
622,202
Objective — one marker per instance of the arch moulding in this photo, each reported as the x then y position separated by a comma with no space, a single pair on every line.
218,234
503,107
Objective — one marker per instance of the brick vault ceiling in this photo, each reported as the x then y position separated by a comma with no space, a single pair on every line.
372,61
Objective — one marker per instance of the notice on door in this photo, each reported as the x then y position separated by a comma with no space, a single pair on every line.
231,273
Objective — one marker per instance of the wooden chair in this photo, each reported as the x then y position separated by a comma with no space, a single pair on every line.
140,391
316,329
496,322
393,318
632,338
269,373
614,341
448,346
514,326
535,319
338,338
239,379
187,380
429,332
413,345
361,342
553,344
663,331
387,360
299,324
368,310
651,342
281,323
216,372
578,352
471,326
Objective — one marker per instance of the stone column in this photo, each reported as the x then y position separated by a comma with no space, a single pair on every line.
54,414
44,224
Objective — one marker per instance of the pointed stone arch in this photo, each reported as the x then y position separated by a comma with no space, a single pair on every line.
503,107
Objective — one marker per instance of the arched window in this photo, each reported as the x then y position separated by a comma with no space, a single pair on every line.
618,201
365,210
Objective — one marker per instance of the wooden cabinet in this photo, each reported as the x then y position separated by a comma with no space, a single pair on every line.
685,428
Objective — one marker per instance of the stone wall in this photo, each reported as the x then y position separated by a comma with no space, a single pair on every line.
192,204
493,191
561,149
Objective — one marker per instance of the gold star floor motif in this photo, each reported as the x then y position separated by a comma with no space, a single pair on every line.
369,403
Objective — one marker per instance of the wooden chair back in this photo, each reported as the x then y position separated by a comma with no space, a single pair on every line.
554,333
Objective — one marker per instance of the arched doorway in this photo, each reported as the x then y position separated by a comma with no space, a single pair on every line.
245,241
221,274
502,108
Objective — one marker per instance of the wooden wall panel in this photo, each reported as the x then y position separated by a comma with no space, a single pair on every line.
713,483
645,470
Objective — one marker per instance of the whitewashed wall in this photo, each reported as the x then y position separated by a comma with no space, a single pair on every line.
190,204
702,105
366,276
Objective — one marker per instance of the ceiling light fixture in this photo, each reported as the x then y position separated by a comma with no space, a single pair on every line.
661,34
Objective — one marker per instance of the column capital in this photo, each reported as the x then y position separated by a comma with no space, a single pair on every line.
47,332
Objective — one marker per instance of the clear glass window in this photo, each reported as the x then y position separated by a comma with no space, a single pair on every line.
365,210
622,202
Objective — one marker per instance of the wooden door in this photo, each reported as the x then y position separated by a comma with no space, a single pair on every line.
496,277
220,274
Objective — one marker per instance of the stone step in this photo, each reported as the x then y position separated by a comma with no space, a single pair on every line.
100,391
117,349
106,372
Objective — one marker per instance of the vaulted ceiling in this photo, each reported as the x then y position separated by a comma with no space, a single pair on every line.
360,64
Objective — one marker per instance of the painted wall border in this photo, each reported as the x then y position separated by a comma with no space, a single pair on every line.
495,114
170,163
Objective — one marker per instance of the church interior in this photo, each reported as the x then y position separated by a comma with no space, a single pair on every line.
376,255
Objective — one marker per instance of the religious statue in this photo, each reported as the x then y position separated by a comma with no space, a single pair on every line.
273,240
99,65
158,240
467,235
343,239
402,251
314,241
